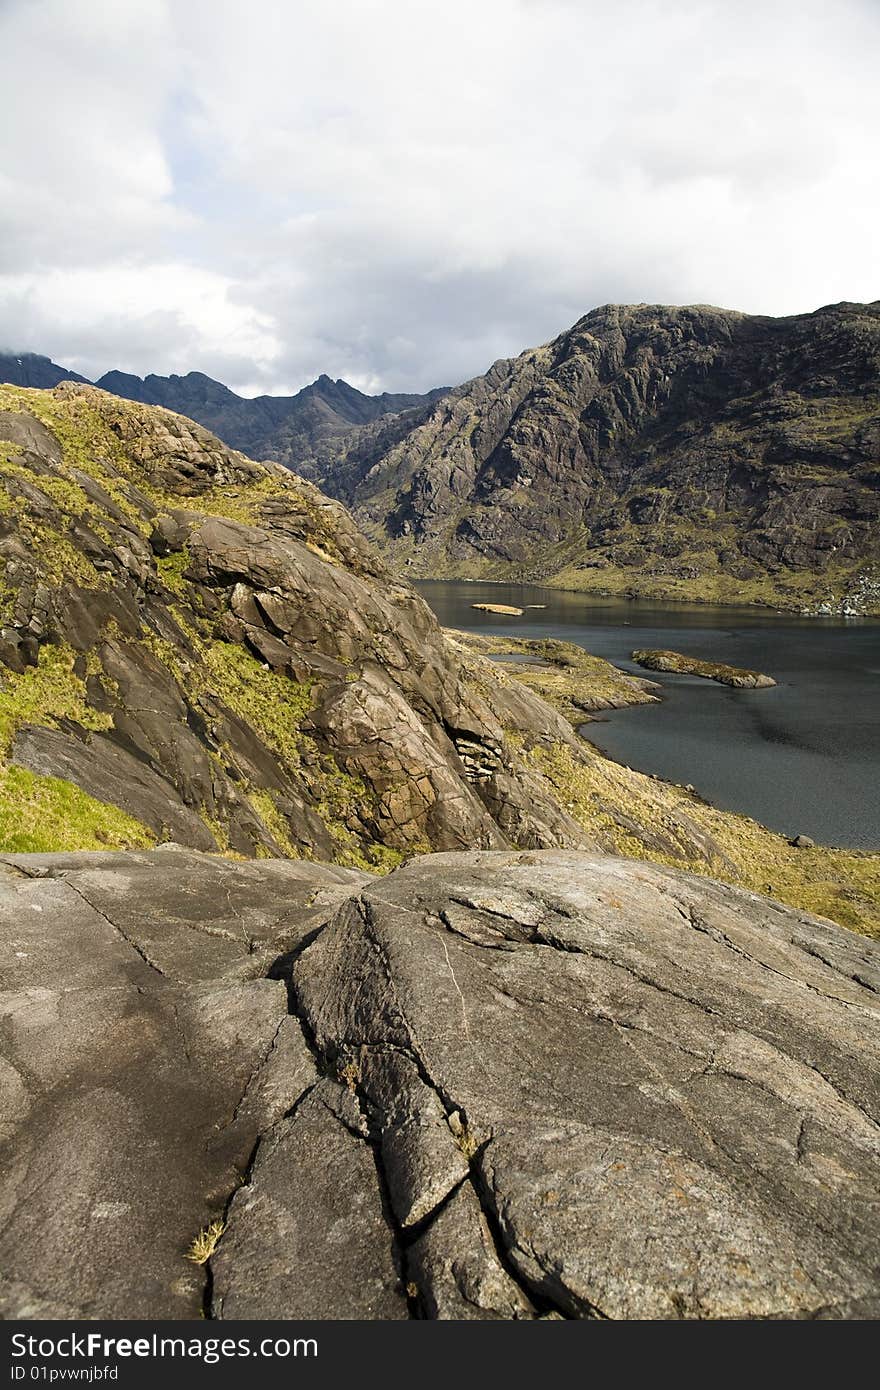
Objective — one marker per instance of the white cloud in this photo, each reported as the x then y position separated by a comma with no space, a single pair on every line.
142,313
398,192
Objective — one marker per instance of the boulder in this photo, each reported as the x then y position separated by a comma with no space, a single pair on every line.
667,1088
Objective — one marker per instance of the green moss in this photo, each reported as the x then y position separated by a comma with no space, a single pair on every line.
82,428
45,813
341,799
276,824
171,570
67,494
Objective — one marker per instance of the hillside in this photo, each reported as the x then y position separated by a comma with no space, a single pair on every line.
203,649
306,431
677,453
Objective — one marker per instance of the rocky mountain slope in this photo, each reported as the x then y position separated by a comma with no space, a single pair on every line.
306,431
246,1071
208,645
489,1085
690,453
203,649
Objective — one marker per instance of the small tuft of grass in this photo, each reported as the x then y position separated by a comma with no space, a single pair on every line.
351,1075
206,1243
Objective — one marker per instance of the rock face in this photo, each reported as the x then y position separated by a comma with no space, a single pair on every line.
682,453
209,646
509,1085
683,665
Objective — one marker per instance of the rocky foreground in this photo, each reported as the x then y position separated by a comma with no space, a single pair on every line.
488,1085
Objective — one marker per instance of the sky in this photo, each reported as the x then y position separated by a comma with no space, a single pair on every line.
399,192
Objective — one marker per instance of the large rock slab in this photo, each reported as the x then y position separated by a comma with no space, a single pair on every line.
139,1063
500,1085
667,1089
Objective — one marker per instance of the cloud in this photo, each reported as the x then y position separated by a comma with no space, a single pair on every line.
140,314
400,192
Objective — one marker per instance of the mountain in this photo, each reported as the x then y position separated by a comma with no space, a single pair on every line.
263,1054
306,432
325,419
29,369
683,453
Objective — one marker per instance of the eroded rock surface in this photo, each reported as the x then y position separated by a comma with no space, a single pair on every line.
142,1056
667,1089
488,1085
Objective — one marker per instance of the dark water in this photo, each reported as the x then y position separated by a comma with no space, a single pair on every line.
803,758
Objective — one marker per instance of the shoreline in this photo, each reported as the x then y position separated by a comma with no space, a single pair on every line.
872,615
584,714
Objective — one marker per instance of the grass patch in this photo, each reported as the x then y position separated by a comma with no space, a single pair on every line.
171,570
272,703
44,815
205,1243
43,694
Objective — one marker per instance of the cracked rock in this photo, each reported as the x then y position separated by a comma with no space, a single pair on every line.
137,1069
455,1269
307,1236
670,1086
421,1160
575,1087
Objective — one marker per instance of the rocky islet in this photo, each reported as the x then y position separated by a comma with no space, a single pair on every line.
678,664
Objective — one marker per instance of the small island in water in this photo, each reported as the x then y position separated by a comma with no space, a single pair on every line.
499,608
710,670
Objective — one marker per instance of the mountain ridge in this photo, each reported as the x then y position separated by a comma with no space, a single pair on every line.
304,431
669,452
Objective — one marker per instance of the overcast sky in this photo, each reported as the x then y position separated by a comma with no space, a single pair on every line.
400,191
